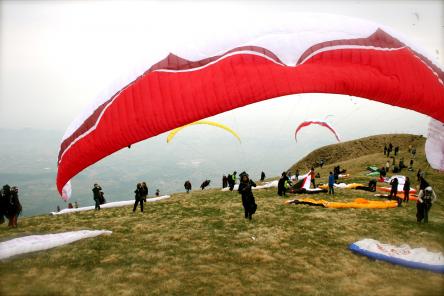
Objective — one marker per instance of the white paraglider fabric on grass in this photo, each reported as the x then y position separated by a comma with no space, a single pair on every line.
272,184
114,204
34,243
419,258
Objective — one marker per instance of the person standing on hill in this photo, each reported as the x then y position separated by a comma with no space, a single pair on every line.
5,196
396,150
297,174
406,189
262,176
187,186
385,149
331,184
426,198
387,166
394,190
336,170
144,191
233,180
248,201
224,181
96,195
321,163
102,199
15,208
312,176
281,184
138,197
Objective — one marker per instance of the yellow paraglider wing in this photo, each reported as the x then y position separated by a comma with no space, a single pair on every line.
173,133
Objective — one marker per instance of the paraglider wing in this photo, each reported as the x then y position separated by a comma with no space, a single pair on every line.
434,146
302,53
173,133
67,191
321,123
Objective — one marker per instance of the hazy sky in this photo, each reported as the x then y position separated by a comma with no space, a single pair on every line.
56,56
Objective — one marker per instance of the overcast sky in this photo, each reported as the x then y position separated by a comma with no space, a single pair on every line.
56,56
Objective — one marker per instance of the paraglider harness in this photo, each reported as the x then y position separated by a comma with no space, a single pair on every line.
427,198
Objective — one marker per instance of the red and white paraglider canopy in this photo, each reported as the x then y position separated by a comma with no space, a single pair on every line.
316,122
302,53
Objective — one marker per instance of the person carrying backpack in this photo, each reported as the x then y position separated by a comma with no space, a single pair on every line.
426,198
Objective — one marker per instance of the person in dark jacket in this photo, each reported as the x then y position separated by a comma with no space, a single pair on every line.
262,176
336,172
15,208
205,184
187,186
296,174
396,150
5,196
144,191
394,183
96,195
281,184
406,189
385,149
224,181
245,190
102,199
138,197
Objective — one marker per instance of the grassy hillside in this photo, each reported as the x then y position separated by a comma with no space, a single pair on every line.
199,243
371,146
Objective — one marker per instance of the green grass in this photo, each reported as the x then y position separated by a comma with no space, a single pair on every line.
199,243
